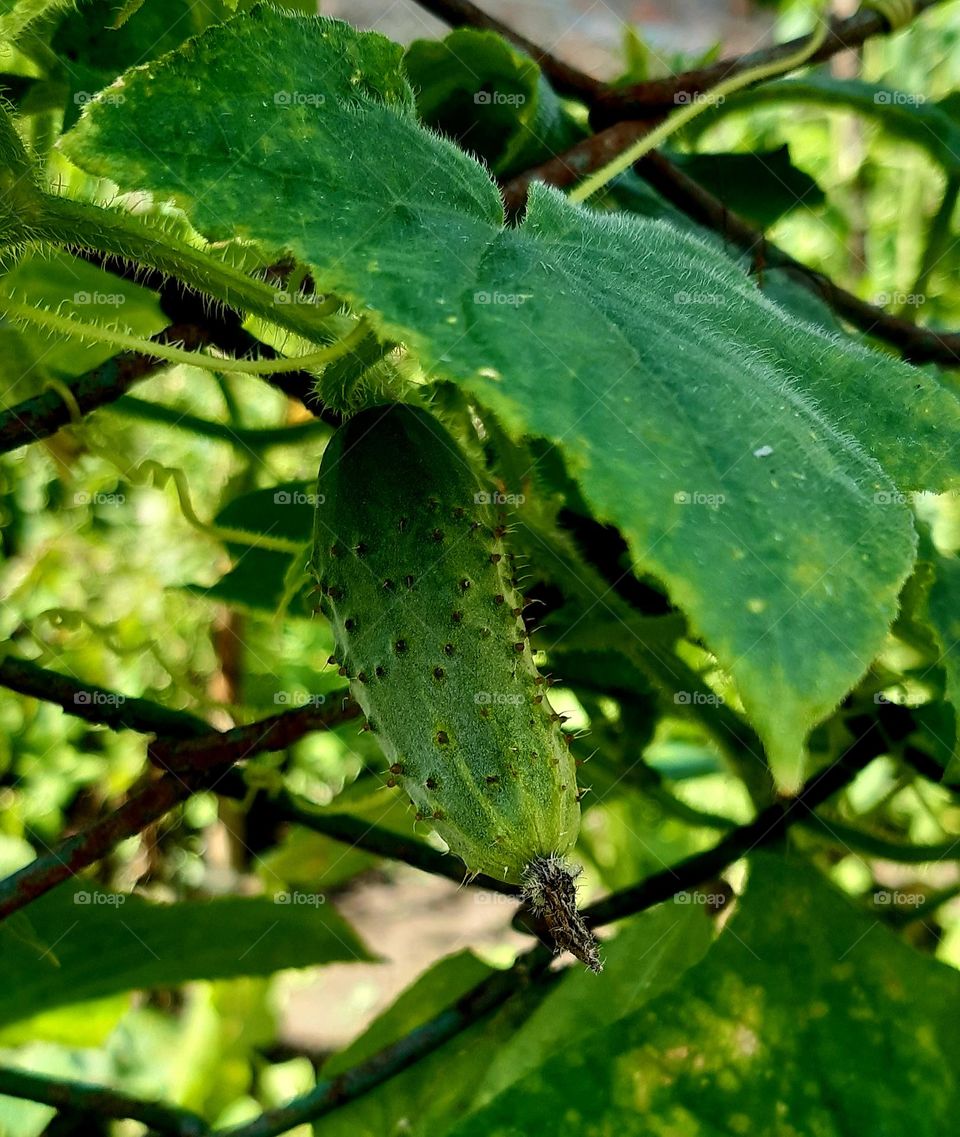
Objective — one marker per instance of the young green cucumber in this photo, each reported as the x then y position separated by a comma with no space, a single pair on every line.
413,573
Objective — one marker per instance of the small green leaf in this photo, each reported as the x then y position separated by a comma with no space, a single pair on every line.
259,577
490,97
72,287
97,943
760,185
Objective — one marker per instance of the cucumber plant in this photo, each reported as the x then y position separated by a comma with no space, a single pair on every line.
413,570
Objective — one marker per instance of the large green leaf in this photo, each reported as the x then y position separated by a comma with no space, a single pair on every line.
753,463
807,1017
83,943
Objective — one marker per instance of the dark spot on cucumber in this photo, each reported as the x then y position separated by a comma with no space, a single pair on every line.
361,550
492,779
442,738
431,783
465,583
437,535
438,815
350,624
389,586
400,647
396,768
380,672
498,599
518,648
448,649
439,673
361,677
496,558
459,512
457,617
334,592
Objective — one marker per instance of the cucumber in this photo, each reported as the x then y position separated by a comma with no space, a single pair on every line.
412,571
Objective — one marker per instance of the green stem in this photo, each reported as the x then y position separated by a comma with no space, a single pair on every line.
102,1101
672,123
237,435
78,224
123,341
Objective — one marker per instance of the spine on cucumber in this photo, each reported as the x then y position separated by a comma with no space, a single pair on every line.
412,571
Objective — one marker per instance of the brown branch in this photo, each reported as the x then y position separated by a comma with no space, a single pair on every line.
211,754
224,748
612,104
331,1093
283,807
44,414
917,344
767,828
98,704
75,853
